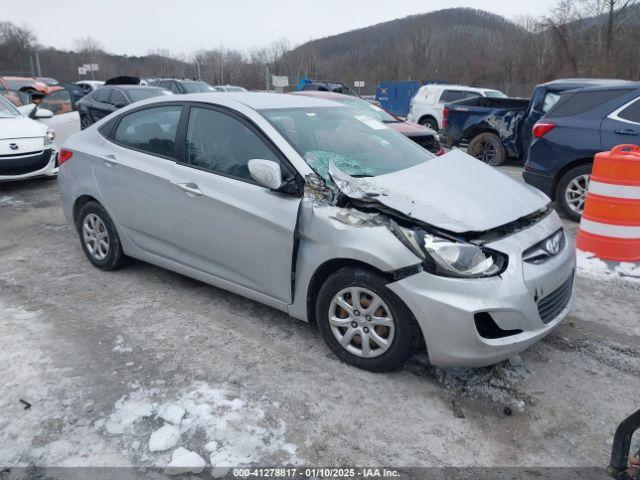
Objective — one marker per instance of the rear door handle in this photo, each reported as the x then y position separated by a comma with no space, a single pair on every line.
190,188
628,131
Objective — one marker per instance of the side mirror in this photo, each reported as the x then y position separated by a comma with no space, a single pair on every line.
119,104
43,113
266,172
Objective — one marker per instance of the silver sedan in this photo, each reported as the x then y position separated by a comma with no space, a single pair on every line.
320,211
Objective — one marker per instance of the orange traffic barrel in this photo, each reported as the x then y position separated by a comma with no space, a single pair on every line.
610,224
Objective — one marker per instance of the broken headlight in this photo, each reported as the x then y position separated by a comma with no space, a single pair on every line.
450,258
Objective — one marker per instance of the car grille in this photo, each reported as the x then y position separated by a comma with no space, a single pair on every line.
550,306
428,142
19,165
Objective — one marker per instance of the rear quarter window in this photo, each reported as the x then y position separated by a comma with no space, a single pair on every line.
571,104
632,112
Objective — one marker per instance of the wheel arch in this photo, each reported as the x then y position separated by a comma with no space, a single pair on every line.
80,202
428,116
473,132
324,271
564,169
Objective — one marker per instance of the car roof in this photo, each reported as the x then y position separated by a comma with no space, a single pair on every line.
134,87
569,83
447,86
253,100
321,94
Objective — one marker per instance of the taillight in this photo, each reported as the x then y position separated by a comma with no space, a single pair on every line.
64,155
540,129
445,111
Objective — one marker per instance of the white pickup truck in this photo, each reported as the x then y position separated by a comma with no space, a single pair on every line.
428,102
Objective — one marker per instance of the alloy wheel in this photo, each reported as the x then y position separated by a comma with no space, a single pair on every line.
576,193
361,322
95,236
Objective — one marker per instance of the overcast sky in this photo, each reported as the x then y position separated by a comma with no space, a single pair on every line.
182,26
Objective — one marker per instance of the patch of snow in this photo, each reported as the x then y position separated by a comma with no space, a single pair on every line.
237,431
591,266
164,438
122,349
171,413
8,201
212,446
184,461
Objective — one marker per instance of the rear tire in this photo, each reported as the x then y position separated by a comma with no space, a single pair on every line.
488,148
572,191
99,238
429,122
371,314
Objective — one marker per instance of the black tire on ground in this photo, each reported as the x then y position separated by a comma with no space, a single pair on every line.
561,191
487,148
115,256
85,122
401,344
429,122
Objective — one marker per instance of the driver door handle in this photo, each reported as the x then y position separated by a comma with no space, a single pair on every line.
191,188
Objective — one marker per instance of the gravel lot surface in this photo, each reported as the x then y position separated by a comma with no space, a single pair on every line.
101,357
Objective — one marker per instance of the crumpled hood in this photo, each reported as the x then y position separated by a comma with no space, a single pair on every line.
454,192
21,127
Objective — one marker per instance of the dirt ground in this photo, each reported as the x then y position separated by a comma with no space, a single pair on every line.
97,355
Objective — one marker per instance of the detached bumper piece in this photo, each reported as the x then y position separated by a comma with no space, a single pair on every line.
22,164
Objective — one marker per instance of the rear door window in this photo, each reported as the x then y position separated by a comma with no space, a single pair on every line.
571,104
152,130
102,95
455,95
117,97
58,102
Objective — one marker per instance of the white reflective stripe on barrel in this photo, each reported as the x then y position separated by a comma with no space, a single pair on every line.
630,192
607,230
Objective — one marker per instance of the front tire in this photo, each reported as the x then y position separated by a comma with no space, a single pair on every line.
488,148
571,192
362,321
99,238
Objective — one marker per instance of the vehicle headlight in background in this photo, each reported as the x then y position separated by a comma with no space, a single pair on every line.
451,258
49,137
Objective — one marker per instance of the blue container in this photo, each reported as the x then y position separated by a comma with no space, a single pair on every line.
395,96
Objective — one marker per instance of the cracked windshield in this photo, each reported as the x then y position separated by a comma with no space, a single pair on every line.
358,145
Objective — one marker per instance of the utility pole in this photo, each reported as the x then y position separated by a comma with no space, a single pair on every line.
38,69
33,72
266,77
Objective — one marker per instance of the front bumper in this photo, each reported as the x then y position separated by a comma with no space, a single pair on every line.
20,167
445,307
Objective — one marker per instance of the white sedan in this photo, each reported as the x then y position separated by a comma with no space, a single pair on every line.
27,147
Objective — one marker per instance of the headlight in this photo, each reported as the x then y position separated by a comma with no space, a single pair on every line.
451,258
49,137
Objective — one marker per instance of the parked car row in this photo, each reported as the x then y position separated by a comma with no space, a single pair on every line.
556,133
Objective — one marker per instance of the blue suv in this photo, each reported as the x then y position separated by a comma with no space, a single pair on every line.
582,123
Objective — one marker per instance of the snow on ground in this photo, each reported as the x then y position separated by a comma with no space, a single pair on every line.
591,266
9,201
209,421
